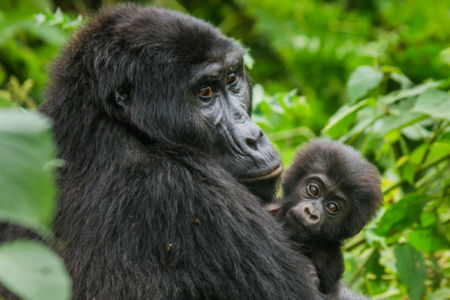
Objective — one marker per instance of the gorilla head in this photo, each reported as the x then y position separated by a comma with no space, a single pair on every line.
139,67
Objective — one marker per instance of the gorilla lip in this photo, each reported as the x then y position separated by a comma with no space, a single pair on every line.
269,174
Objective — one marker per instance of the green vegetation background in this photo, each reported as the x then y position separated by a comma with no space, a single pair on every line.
372,74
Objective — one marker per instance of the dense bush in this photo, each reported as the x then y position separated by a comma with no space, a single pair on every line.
406,134
356,71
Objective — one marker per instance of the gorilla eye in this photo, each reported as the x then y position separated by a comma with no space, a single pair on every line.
313,190
231,78
332,207
206,92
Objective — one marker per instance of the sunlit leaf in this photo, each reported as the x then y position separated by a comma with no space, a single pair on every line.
28,194
427,240
435,103
402,94
362,80
343,118
401,215
397,122
33,272
440,294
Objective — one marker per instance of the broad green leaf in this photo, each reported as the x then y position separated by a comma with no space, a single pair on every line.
385,125
435,103
411,269
401,215
441,294
416,132
418,154
365,118
408,171
32,271
438,150
427,240
428,219
25,7
27,191
414,91
343,119
362,80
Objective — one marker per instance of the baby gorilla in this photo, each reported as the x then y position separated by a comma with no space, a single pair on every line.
329,193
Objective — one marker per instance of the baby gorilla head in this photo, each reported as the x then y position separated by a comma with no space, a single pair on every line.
330,191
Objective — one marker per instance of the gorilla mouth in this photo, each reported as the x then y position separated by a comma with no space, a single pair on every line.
264,175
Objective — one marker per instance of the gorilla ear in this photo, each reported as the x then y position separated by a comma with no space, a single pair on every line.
122,95
274,209
121,99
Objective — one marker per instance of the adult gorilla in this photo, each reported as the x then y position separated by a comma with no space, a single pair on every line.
151,114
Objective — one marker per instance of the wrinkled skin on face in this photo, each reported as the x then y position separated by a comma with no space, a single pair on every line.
222,92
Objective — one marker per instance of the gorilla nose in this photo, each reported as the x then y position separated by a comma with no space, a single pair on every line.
311,214
252,142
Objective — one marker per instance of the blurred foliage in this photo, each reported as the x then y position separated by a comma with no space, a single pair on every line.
373,74
406,133
28,198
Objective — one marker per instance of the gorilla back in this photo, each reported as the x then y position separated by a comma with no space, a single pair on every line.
151,115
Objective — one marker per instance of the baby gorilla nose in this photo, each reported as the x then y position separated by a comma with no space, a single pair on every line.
311,214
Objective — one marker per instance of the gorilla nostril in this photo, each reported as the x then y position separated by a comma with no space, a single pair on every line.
252,143
310,215
261,133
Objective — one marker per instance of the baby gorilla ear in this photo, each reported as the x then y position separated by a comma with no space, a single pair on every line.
274,209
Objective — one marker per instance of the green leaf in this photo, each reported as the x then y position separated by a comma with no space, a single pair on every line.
397,122
373,264
428,219
414,91
408,171
362,80
441,294
411,269
435,103
32,271
22,8
27,192
401,215
343,119
427,240
438,150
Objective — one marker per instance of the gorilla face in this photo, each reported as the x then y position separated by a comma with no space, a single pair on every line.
190,69
223,95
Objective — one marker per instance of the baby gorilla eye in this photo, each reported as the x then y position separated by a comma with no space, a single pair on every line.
206,92
231,78
332,207
313,190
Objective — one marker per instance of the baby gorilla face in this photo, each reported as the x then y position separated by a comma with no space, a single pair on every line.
329,191
316,204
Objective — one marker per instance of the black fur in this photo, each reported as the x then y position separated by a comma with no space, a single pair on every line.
149,208
347,174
